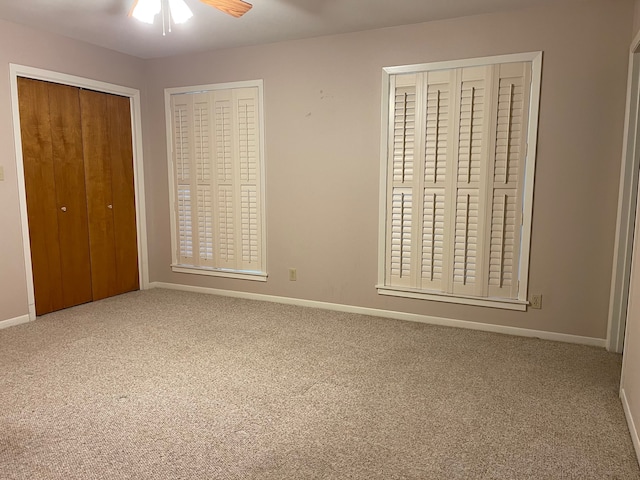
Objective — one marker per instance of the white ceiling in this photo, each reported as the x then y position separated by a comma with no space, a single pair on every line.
106,23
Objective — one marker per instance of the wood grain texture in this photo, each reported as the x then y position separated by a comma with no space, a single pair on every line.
95,128
68,162
236,8
123,193
37,152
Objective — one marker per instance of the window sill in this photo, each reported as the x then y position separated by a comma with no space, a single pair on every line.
218,272
504,303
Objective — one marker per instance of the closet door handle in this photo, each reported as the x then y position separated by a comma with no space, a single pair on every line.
64,209
110,206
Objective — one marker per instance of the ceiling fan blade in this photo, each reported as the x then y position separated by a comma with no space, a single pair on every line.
237,8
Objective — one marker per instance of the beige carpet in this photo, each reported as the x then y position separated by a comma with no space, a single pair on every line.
173,385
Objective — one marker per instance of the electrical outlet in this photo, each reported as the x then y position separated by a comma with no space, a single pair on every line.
293,275
536,301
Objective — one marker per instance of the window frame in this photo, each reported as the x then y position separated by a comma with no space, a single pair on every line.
520,303
260,276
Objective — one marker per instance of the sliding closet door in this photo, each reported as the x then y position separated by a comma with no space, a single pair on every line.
56,200
108,163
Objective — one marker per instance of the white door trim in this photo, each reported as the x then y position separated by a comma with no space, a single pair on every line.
138,170
628,192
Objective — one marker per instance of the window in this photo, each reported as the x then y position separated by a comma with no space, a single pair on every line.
458,153
216,169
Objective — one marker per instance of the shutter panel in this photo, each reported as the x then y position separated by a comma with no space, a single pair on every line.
439,129
403,218
473,142
225,226
202,154
507,178
182,155
248,188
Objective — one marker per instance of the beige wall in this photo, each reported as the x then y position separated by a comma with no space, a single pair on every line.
28,47
322,104
636,17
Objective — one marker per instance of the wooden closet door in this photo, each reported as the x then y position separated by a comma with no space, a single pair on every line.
56,200
108,162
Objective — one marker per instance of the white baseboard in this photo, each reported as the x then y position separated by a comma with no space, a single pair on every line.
412,317
14,321
632,426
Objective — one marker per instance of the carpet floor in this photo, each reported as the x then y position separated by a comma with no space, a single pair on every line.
174,385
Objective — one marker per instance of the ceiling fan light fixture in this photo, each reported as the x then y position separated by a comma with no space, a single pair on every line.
146,10
180,12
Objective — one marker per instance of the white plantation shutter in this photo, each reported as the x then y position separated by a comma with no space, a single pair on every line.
455,172
438,165
507,178
401,237
225,206
218,184
183,157
247,139
473,87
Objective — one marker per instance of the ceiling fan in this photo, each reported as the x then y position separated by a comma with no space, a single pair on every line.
179,12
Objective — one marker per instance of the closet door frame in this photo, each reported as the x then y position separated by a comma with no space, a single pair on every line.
138,170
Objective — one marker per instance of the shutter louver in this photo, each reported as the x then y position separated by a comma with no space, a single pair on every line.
185,227
404,132
465,241
437,133
433,238
502,263
201,131
181,142
471,131
224,153
401,233
247,140
249,223
205,225
226,228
